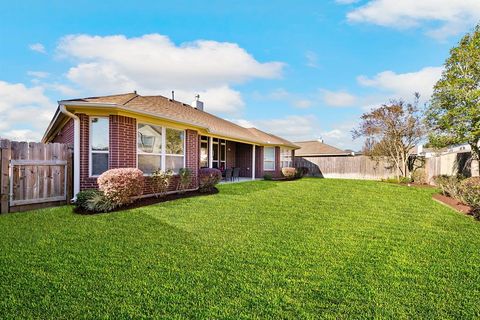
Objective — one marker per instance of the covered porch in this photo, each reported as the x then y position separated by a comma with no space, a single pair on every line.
240,160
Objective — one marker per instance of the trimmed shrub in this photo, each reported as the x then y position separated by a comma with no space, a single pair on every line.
83,197
267,176
450,186
120,186
160,181
419,176
470,194
99,203
185,178
288,172
300,172
208,178
395,180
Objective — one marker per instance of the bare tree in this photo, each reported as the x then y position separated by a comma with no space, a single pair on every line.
392,131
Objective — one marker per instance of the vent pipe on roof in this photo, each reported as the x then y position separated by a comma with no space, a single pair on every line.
173,95
320,140
197,104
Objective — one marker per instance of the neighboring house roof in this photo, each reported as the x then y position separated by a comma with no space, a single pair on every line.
318,148
162,107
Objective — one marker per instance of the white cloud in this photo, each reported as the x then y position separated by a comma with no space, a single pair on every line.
307,127
153,64
293,127
302,103
37,47
338,98
341,136
280,94
404,85
442,18
38,74
19,105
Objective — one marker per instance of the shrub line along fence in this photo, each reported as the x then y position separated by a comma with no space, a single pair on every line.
34,175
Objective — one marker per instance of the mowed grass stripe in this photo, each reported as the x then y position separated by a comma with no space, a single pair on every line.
311,248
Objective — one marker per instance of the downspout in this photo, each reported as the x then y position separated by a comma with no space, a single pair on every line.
76,150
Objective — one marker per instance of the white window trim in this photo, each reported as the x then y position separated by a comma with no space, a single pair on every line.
163,155
274,157
207,141
90,151
286,156
219,144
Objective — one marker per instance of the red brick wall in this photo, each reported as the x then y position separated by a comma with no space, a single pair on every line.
66,134
123,142
192,154
243,159
231,152
259,162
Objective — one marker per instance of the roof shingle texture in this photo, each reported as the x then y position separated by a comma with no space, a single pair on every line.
315,147
174,110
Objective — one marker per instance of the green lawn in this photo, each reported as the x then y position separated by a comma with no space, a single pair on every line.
312,248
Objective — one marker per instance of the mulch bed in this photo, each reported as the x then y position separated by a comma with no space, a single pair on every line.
142,202
283,179
452,203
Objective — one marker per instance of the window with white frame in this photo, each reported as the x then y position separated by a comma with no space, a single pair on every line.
204,147
269,158
286,157
149,147
160,148
99,145
174,149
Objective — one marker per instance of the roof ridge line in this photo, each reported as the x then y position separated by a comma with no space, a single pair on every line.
134,97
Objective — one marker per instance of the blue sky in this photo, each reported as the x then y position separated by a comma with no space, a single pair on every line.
300,69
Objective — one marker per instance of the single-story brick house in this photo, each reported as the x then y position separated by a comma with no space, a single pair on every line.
152,132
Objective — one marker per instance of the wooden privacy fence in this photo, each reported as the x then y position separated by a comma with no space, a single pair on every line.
448,164
346,167
34,175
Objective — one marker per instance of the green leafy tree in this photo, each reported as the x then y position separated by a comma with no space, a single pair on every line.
454,112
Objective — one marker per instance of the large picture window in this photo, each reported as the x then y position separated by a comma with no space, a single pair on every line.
269,158
160,148
286,157
149,147
99,146
174,153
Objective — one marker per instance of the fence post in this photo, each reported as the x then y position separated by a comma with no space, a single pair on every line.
69,172
5,154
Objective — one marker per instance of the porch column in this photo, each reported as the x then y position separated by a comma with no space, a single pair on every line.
210,152
253,162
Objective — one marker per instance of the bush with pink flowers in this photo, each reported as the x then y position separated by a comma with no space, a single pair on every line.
288,172
120,186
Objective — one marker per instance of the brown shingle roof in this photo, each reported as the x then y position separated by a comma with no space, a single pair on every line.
317,148
174,110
